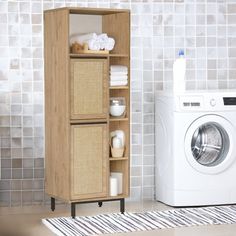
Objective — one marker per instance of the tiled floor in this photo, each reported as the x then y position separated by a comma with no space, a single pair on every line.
27,221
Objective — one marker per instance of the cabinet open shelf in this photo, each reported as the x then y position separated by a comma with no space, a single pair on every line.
118,158
118,119
119,87
74,55
118,55
92,55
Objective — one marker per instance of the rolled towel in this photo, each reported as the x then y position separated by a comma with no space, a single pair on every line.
103,40
110,44
82,38
118,78
93,44
118,68
118,83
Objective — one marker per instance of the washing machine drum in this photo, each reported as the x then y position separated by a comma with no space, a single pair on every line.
210,144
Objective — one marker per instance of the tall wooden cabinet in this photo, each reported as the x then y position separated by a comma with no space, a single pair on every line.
77,122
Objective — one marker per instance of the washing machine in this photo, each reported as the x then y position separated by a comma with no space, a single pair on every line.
195,148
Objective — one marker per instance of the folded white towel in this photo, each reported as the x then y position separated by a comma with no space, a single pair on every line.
118,73
110,43
118,78
118,83
118,68
82,38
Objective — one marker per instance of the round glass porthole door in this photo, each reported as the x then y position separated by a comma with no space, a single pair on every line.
210,144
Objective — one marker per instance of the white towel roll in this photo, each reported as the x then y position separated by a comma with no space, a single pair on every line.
103,40
110,44
93,44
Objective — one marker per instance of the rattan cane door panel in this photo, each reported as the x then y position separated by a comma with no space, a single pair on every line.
89,88
89,161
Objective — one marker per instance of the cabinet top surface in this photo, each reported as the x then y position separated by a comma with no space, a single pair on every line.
90,11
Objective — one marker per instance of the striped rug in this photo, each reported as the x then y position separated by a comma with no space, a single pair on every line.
131,222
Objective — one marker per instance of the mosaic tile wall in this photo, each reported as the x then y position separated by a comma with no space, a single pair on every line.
205,29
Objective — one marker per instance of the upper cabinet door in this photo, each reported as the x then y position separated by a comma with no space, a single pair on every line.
89,89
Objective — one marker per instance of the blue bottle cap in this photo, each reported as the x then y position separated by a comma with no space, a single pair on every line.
181,52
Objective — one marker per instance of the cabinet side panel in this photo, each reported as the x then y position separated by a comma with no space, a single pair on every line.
57,152
118,26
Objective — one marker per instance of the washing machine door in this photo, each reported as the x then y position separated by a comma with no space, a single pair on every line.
209,144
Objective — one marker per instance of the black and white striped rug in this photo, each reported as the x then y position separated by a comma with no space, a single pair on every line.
131,222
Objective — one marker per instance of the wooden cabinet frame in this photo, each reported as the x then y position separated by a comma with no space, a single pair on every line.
63,105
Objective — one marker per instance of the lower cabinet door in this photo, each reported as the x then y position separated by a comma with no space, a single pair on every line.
89,165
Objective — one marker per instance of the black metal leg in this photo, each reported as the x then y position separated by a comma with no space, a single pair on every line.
52,203
122,206
99,204
73,206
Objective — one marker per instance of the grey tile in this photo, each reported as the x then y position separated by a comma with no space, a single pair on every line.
5,185
17,163
5,142
231,8
16,198
16,173
16,184
28,163
5,121
27,198
16,142
16,121
38,173
16,132
39,163
38,184
6,173
16,152
5,152
28,131
5,131
38,196
28,173
5,163
231,19
5,198
27,184
28,152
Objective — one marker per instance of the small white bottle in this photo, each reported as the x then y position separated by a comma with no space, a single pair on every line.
179,70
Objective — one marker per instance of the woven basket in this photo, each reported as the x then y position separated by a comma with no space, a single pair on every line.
117,152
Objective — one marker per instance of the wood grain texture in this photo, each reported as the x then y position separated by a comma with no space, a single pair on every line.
118,26
89,89
57,149
89,161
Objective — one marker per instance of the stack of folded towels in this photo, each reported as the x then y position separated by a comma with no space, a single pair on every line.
118,75
94,41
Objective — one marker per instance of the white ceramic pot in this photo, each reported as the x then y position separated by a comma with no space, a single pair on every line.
117,110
